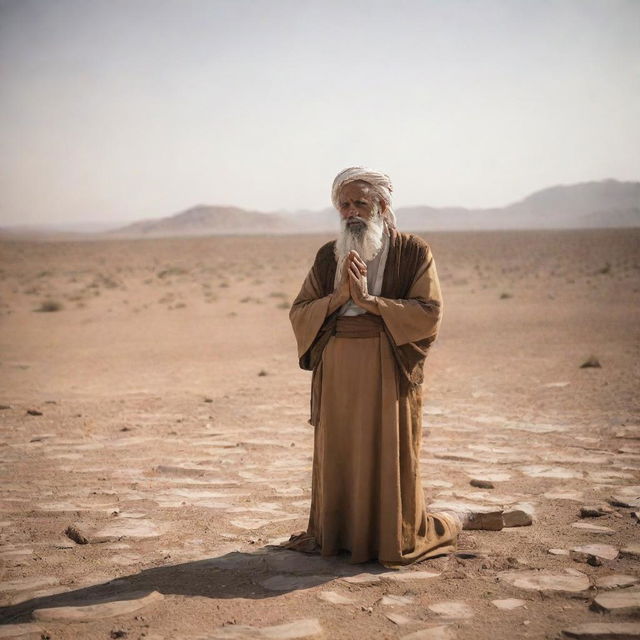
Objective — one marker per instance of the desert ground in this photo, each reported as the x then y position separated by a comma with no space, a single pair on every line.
153,409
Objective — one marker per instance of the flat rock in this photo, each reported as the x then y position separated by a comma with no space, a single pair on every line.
333,597
547,582
439,632
594,554
291,583
18,630
631,550
604,631
507,604
396,601
28,584
593,528
305,628
558,552
628,496
97,611
363,578
452,609
622,602
561,494
549,471
407,576
616,581
398,618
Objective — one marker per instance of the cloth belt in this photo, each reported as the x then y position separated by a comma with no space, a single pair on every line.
366,325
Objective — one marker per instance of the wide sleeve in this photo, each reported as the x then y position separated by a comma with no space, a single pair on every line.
308,312
418,316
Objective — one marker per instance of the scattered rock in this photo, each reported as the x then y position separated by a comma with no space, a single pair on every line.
306,628
595,511
623,602
560,494
549,471
604,631
593,528
362,578
395,601
631,550
627,497
547,582
4,407
134,602
398,618
33,412
591,363
262,373
517,518
507,604
616,581
558,552
594,554
482,484
452,609
406,576
76,535
26,584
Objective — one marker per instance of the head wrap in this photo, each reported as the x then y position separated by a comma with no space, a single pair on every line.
380,182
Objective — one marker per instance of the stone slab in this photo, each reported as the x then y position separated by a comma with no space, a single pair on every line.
547,582
305,628
100,610
604,631
623,602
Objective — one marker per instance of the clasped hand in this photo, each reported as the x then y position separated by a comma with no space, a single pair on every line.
353,284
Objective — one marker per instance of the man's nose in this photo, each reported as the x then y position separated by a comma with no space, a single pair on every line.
351,212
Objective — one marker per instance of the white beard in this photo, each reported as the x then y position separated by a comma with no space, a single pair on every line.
366,238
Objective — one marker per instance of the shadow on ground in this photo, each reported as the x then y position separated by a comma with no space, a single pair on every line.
265,573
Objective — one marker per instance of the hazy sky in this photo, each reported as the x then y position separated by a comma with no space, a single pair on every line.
127,109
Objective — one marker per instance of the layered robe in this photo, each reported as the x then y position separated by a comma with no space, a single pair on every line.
366,408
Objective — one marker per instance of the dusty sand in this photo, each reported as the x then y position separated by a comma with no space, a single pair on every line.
173,428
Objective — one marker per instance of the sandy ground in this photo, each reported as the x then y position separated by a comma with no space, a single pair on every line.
173,435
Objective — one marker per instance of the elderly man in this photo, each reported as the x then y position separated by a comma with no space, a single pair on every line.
364,320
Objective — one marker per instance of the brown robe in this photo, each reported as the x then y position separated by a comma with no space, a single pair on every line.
366,406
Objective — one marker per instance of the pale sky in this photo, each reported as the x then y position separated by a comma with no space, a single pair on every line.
131,109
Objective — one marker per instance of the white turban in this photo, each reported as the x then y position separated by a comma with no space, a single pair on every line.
380,182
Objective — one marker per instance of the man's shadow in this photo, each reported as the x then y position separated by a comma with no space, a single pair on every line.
265,573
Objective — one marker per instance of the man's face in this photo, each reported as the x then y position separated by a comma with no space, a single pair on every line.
357,204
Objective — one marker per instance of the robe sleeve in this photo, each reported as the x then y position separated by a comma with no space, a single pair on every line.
418,316
308,313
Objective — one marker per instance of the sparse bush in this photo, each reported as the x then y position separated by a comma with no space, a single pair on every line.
283,305
172,271
49,306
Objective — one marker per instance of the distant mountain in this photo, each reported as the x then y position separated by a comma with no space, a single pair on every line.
608,203
204,220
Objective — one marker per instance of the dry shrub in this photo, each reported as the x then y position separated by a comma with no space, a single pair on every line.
49,306
172,271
